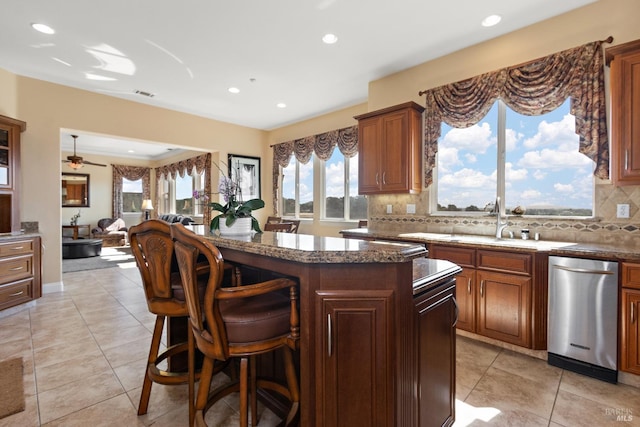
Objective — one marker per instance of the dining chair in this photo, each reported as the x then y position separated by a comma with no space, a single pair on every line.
296,225
237,323
363,223
282,227
152,248
274,219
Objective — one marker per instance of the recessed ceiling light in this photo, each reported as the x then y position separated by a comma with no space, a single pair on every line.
234,90
281,105
491,20
44,29
330,38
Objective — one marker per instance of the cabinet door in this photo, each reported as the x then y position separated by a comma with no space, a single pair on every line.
355,390
395,146
504,311
625,117
465,295
630,334
369,153
437,358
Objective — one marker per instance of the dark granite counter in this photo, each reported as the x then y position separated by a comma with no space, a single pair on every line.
584,250
318,250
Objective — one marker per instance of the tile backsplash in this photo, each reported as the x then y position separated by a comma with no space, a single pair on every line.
605,227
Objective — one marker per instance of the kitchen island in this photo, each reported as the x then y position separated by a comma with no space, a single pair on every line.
375,350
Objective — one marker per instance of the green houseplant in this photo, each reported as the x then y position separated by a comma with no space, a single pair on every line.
234,208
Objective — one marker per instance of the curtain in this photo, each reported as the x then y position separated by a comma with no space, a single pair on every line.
533,88
346,139
132,173
201,164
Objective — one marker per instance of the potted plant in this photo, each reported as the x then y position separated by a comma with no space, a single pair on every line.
234,208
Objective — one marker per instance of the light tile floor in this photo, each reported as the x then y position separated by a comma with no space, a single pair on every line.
84,350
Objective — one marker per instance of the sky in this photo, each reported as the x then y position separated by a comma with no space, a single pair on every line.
543,166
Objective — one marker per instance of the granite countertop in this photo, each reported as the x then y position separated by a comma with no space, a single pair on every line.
7,236
584,250
316,249
428,272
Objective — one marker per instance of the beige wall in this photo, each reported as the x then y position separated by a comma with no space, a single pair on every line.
48,108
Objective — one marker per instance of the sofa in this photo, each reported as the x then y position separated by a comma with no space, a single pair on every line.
112,231
173,218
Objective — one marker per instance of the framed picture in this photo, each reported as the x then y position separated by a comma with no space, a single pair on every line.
246,172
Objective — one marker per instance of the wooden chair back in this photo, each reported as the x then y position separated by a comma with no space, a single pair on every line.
274,219
152,248
296,225
363,223
282,227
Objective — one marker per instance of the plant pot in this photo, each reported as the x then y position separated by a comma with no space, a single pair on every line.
242,226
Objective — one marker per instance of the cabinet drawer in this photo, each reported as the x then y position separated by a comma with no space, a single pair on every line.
504,261
16,248
462,256
630,276
16,268
16,293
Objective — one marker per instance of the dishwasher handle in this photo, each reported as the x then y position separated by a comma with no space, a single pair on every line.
583,270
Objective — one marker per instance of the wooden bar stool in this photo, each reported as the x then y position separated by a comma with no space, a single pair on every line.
152,247
239,322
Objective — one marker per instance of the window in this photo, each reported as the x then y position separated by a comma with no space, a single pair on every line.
529,161
297,189
131,195
340,178
178,194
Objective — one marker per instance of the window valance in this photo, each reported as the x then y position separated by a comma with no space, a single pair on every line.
533,88
200,163
346,139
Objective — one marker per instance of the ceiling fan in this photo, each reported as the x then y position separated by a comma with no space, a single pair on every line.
76,162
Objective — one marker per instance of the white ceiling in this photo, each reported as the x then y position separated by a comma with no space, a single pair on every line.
189,53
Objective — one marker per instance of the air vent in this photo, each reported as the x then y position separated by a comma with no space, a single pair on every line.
143,93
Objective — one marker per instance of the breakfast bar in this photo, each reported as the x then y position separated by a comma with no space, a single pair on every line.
377,324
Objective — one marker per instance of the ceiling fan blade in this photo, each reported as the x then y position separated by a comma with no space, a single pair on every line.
87,162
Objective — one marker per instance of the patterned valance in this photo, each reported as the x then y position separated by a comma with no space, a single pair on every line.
200,163
534,88
346,139
132,173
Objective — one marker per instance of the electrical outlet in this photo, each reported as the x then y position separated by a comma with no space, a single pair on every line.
623,210
411,208
389,209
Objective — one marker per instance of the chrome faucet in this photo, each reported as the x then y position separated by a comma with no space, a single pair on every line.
500,226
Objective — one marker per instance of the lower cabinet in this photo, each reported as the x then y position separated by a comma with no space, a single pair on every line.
20,278
436,315
629,322
495,294
503,307
355,390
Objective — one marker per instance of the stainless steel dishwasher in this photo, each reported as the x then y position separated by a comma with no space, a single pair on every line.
583,316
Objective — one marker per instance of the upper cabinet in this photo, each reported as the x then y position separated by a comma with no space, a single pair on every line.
390,150
10,130
625,112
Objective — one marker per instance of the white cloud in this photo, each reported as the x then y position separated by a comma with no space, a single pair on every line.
530,194
334,179
558,134
511,139
539,175
563,188
477,138
471,158
468,178
512,174
553,159
447,159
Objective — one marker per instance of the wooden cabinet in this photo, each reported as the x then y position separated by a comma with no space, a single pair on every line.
625,112
436,323
630,330
10,130
499,293
355,323
20,278
390,150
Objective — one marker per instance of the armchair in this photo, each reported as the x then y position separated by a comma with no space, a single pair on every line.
112,231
